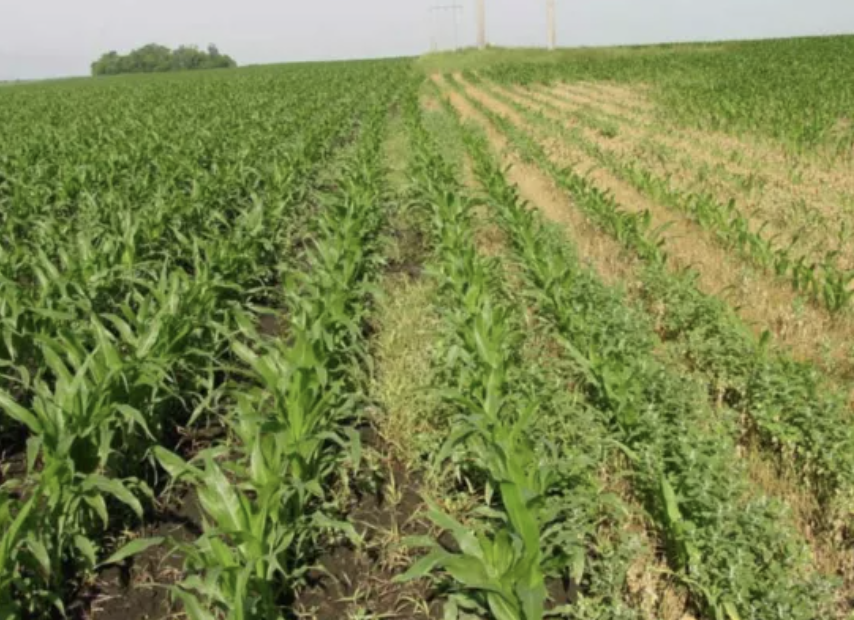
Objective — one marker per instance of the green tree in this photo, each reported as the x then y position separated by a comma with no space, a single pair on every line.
154,58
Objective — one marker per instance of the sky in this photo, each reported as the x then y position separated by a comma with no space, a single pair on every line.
54,38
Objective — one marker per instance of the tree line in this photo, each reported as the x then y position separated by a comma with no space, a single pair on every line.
155,58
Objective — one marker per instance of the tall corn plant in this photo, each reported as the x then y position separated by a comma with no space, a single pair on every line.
265,509
132,251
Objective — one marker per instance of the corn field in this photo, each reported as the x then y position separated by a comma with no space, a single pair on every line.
474,336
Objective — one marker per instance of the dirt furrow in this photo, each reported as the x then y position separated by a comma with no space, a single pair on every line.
611,259
599,251
631,98
584,98
811,171
763,302
694,160
769,207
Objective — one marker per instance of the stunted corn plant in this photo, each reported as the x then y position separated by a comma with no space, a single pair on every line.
499,568
687,474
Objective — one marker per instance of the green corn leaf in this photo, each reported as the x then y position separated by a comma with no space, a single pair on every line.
424,566
134,414
133,548
12,535
123,328
578,562
87,549
98,504
149,339
34,446
219,499
671,505
355,445
192,607
39,552
532,596
324,522
731,611
465,539
523,518
471,572
116,489
18,413
502,609
174,465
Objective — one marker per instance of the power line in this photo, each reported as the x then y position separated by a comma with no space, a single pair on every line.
434,10
551,18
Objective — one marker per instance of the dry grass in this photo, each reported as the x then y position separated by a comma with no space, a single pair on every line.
631,97
488,237
805,194
407,327
753,151
407,330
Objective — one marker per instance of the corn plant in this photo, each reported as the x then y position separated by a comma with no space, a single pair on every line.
501,569
677,467
785,429
265,501
136,256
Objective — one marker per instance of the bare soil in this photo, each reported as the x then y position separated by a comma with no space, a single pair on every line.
351,582
762,301
778,197
138,589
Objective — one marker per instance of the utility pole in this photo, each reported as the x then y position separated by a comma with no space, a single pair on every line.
434,40
481,24
550,8
455,9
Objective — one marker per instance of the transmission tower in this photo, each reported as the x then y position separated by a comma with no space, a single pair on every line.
441,9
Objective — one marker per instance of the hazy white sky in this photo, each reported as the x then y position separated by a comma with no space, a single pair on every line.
44,38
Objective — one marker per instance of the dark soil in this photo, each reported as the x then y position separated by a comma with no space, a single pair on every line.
13,466
561,592
346,580
412,247
271,325
138,588
13,449
349,580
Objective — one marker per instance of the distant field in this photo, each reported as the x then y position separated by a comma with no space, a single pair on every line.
507,334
